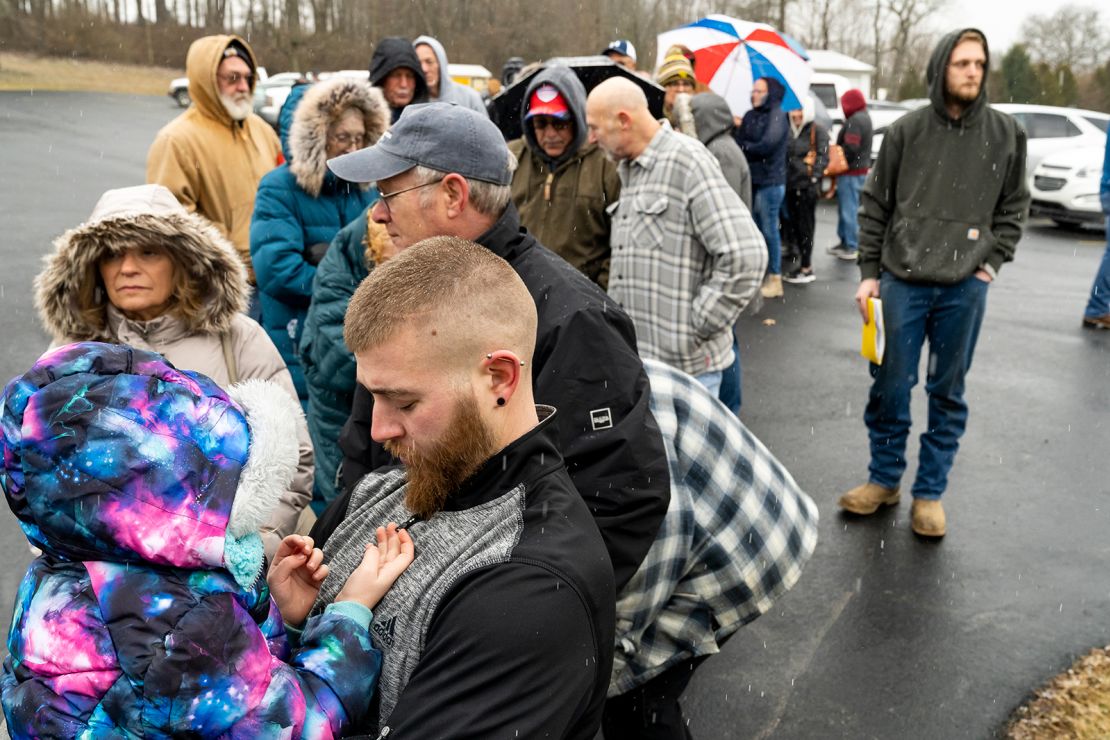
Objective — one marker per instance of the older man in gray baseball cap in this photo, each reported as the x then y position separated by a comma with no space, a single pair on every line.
435,144
444,170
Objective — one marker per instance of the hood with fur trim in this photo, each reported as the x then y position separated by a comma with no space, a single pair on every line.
321,105
110,453
69,296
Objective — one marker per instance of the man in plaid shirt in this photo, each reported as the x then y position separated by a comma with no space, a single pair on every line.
737,533
686,255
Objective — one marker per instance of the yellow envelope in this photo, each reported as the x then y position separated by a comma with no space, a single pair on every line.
873,341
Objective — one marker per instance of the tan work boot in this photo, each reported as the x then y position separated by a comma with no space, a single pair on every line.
772,286
928,518
867,499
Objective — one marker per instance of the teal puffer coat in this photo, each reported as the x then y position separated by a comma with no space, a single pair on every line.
302,204
329,367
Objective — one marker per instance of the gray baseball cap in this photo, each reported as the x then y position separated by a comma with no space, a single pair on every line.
441,136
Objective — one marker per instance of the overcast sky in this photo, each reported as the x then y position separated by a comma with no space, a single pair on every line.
1001,20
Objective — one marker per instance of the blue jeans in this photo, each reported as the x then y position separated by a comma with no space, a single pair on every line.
711,381
766,202
848,188
949,316
729,394
1099,303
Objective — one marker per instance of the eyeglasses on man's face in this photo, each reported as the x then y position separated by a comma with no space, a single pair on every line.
233,78
542,122
383,198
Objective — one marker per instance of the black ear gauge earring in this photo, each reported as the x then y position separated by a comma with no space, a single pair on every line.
500,401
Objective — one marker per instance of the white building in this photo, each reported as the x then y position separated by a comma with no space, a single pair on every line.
858,73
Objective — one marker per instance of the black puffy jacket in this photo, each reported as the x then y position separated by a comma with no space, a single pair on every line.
586,365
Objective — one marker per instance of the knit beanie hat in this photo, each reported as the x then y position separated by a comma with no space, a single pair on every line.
675,66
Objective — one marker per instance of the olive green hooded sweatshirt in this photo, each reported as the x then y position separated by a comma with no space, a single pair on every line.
947,196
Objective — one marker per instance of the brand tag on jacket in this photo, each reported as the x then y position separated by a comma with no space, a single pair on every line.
973,235
601,419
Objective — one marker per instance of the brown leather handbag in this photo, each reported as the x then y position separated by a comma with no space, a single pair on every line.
838,163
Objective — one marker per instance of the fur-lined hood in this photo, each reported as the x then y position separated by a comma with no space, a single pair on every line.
322,104
72,309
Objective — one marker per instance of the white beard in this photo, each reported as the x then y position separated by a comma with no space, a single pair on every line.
238,107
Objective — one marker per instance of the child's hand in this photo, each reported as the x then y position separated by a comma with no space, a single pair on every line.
380,567
295,576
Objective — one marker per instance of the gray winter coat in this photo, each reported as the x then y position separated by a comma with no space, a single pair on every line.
449,90
713,120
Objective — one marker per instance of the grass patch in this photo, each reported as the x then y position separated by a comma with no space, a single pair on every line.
1074,705
29,72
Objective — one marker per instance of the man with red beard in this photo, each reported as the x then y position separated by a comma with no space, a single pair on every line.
213,155
503,626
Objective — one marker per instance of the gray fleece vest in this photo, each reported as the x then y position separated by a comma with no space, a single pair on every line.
448,546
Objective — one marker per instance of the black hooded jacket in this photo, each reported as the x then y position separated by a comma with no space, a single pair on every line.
585,364
393,53
763,135
946,195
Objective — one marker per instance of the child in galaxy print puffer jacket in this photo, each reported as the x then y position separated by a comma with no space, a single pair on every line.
146,615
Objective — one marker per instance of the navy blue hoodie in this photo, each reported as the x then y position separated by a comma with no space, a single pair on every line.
763,136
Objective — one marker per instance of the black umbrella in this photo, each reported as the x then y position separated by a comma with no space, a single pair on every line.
505,107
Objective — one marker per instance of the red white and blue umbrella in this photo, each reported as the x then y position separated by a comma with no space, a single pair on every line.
730,54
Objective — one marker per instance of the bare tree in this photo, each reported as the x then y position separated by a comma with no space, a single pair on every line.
1073,36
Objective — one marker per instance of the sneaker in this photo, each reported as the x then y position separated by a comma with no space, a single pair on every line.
927,518
800,277
1096,322
843,252
772,286
867,499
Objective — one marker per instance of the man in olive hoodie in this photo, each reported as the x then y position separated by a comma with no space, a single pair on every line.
563,184
941,213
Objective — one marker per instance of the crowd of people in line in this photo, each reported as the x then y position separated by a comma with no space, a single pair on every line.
520,498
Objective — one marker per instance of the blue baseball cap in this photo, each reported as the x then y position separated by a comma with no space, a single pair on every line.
621,46
440,136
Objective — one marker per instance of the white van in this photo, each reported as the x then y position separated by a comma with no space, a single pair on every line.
828,88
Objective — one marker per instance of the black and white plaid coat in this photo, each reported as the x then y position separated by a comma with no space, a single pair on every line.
736,536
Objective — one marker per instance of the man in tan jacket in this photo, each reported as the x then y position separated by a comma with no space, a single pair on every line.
212,156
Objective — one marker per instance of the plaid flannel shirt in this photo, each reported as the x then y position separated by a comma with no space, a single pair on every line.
686,254
736,535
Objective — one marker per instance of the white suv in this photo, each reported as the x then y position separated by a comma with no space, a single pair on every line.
1050,129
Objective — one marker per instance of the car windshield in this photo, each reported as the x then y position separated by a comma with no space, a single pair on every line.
825,93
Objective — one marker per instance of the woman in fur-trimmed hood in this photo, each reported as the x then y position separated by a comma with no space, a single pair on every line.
301,205
144,272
